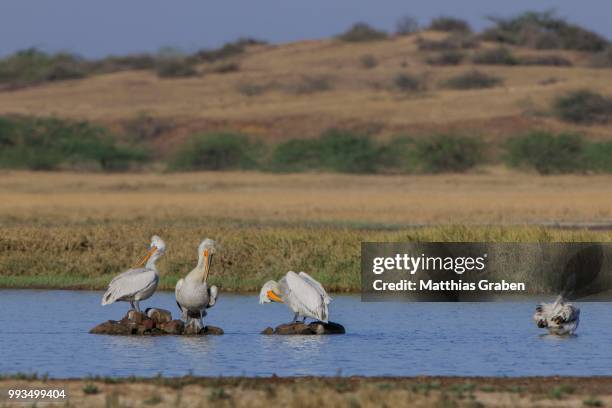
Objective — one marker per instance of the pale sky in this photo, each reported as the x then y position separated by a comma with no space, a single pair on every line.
99,28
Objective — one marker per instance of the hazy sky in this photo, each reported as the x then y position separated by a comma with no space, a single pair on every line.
98,28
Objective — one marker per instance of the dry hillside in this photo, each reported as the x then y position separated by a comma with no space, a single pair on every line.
300,89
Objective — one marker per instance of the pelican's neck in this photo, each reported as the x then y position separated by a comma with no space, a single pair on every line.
151,262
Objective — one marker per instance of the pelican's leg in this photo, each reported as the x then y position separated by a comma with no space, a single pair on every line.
137,305
295,318
304,320
132,304
201,320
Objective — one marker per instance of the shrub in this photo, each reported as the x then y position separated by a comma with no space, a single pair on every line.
447,153
473,80
360,32
175,67
346,152
495,56
409,83
215,151
446,58
456,41
31,67
296,155
551,60
406,25
310,84
445,23
583,106
123,63
602,59
49,144
229,49
90,389
145,127
543,30
598,156
368,61
547,153
226,67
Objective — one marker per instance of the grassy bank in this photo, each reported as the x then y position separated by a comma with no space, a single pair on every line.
87,257
321,391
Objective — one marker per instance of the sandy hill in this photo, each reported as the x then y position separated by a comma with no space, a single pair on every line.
300,89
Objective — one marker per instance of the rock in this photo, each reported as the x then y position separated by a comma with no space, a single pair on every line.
318,328
173,327
159,316
212,331
112,327
134,316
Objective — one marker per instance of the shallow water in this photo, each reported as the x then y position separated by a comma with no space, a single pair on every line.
47,332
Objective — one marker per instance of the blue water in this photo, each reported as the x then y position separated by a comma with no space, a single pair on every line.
47,332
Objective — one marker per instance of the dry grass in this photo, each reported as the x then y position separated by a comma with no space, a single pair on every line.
337,392
359,98
77,231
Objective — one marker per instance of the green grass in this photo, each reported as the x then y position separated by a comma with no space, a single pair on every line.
249,255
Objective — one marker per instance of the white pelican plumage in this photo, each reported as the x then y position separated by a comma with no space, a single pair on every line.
138,283
193,296
301,293
560,318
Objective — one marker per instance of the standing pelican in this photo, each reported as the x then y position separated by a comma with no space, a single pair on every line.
138,283
193,295
301,293
560,318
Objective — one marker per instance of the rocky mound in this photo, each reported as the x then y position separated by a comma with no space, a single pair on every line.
153,322
317,328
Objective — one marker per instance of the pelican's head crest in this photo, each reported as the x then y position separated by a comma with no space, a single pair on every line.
207,244
157,242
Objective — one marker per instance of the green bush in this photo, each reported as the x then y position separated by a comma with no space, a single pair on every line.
447,153
598,156
175,67
361,32
297,155
409,83
446,58
346,152
473,80
602,59
546,152
406,25
495,56
584,107
214,151
50,144
455,41
32,66
445,23
550,60
228,50
543,30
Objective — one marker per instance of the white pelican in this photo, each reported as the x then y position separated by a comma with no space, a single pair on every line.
193,295
560,318
301,293
138,283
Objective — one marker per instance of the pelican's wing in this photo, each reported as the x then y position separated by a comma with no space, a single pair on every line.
310,280
567,313
177,289
308,299
128,284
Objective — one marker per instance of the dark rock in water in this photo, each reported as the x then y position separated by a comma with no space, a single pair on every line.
159,316
173,327
153,322
112,327
212,331
317,328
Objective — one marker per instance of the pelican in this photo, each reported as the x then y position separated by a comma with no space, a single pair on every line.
301,293
193,296
560,318
138,283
